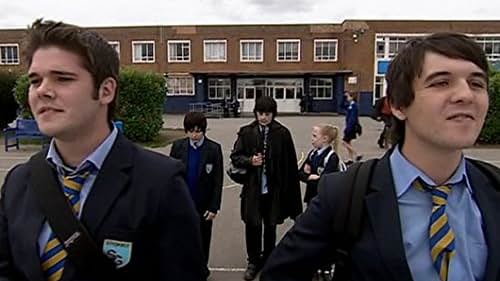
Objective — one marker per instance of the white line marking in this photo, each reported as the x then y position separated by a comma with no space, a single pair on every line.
231,186
227,269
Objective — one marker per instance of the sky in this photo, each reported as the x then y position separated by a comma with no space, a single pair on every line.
20,13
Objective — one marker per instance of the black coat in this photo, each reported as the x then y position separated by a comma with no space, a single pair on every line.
281,171
210,172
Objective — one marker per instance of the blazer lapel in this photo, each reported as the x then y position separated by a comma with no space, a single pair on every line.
184,151
110,182
203,157
487,199
383,214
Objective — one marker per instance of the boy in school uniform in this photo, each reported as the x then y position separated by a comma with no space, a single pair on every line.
202,158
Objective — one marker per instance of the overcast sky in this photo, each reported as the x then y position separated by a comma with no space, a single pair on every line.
20,13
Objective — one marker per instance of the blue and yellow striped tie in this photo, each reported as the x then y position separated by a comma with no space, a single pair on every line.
442,239
54,254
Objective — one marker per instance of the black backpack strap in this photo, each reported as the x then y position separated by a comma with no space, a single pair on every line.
491,171
349,213
81,248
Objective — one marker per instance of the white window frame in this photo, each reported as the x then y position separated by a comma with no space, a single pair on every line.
174,60
219,88
16,45
134,43
117,48
284,41
313,89
489,38
180,91
326,40
205,42
259,41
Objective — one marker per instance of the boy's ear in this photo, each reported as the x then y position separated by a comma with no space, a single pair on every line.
107,90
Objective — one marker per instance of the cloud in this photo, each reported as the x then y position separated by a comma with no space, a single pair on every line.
283,6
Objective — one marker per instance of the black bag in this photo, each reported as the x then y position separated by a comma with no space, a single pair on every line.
358,129
349,214
238,175
81,248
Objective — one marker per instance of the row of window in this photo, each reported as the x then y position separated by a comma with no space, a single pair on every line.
388,46
220,88
179,51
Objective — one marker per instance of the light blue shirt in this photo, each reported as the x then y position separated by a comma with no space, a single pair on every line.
464,217
97,158
197,144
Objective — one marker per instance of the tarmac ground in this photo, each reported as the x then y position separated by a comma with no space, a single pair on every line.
228,255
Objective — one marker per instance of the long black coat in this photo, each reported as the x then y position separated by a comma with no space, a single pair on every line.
281,171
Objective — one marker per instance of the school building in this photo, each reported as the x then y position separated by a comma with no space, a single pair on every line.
315,63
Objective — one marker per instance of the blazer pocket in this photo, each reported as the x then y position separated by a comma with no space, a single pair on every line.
119,246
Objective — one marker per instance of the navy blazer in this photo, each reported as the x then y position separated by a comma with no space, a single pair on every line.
138,196
332,165
210,172
379,253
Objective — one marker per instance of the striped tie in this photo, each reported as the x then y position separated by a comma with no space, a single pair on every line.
442,239
54,254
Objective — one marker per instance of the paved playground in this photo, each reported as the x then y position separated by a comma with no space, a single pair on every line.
228,258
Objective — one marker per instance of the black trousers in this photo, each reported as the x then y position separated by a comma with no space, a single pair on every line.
206,236
258,253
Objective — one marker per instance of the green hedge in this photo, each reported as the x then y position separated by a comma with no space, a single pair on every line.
21,95
8,105
141,99
140,103
491,130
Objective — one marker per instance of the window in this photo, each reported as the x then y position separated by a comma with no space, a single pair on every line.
396,44
180,86
379,87
325,50
288,50
215,50
9,53
491,47
321,88
116,46
252,50
380,47
219,89
143,51
179,51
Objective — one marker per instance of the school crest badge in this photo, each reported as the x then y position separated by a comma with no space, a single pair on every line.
119,251
209,168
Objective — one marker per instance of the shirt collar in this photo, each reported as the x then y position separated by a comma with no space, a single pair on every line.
197,144
97,157
405,173
322,149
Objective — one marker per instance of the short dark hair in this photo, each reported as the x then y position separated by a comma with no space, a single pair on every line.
97,56
193,120
265,104
408,64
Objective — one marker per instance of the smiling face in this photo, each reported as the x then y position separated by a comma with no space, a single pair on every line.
450,105
62,95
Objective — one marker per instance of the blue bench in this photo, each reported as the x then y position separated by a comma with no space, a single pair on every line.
25,129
